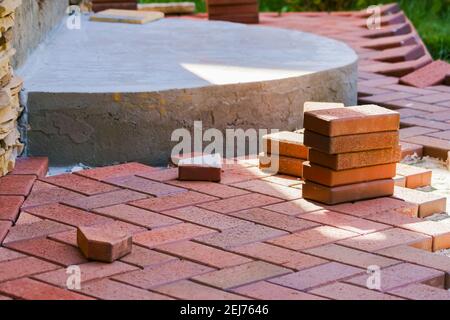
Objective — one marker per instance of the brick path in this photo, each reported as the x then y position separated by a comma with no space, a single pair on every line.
250,237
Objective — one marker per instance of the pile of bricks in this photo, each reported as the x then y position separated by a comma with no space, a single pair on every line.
353,153
100,5
10,86
287,149
241,11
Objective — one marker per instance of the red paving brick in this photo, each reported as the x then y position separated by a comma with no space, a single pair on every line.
188,290
106,289
67,215
203,254
279,256
137,216
44,193
173,201
121,170
401,275
244,234
270,189
34,230
268,291
79,184
37,166
89,271
295,207
419,291
210,188
178,232
8,255
164,274
240,203
49,250
240,275
24,267
312,238
429,203
143,257
324,274
439,231
389,238
430,75
9,207
351,256
160,175
4,228
345,291
146,186
16,185
29,289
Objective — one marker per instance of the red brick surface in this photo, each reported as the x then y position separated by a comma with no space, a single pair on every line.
430,75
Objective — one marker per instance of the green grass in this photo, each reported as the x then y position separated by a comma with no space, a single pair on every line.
430,17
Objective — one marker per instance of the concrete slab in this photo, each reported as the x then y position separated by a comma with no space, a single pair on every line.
91,92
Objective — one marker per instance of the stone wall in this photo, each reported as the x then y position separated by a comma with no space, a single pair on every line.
34,20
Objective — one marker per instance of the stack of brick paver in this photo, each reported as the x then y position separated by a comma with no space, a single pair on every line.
353,153
242,11
10,86
100,5
285,152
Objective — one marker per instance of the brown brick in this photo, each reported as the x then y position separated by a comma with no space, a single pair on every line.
430,75
352,143
201,168
285,143
103,244
345,161
351,121
415,177
348,193
286,165
429,203
332,178
439,231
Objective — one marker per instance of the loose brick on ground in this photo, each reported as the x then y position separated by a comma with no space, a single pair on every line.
89,271
35,230
173,201
274,220
178,232
120,170
308,279
79,184
163,274
106,199
240,203
204,218
312,238
240,275
37,166
281,164
389,238
188,290
268,291
401,275
24,267
429,203
29,289
107,289
16,185
285,143
9,207
279,256
419,291
351,256
203,254
146,186
244,234
137,216
50,250
143,257
439,231
67,215
345,291
415,177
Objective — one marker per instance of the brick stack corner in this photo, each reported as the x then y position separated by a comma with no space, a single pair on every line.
100,5
353,153
10,86
241,11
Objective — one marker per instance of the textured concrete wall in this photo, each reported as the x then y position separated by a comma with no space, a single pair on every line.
34,20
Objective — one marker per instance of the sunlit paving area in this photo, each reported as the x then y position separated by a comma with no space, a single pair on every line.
213,151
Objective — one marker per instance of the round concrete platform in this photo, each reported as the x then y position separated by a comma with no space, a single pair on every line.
115,92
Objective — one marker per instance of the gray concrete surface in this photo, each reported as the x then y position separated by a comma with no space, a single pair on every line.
34,20
115,92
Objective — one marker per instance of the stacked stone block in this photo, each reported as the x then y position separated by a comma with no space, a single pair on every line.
242,11
10,86
353,153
